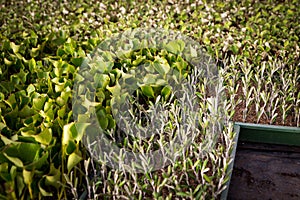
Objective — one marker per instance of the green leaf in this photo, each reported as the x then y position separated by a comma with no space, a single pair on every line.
100,95
14,160
44,137
148,91
11,119
175,46
26,112
161,65
38,103
193,52
7,62
14,47
101,80
77,61
138,60
2,97
22,153
11,101
67,141
181,64
34,52
28,152
103,120
67,132
71,147
27,177
111,122
73,160
80,127
207,178
150,79
101,66
43,191
166,91
20,184
32,65
60,52
115,90
53,177
235,49
4,171
13,172
206,41
278,7
60,101
30,89
7,141
37,164
182,194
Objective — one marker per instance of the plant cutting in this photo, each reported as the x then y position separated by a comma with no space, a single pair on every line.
43,44
158,87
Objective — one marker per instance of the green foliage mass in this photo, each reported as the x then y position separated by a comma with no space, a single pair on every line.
43,44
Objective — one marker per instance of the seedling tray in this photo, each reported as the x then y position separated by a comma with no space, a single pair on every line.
266,163
269,134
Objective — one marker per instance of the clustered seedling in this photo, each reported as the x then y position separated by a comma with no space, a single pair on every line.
43,44
176,113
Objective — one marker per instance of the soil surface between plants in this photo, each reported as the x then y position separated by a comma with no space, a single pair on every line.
265,171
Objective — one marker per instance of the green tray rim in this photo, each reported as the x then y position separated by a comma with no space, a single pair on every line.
267,127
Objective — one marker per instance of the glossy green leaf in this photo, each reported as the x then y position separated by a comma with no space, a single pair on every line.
73,160
26,112
32,65
20,184
68,131
175,47
7,62
39,102
115,90
43,191
111,122
34,52
16,161
80,127
161,65
60,52
77,61
27,177
207,178
14,47
150,79
38,163
44,137
71,147
101,80
166,91
103,121
148,91
53,177
6,140
30,89
28,152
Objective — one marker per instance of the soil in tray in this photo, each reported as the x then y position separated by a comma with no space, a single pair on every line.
265,171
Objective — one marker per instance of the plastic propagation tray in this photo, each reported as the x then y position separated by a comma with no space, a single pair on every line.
269,139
